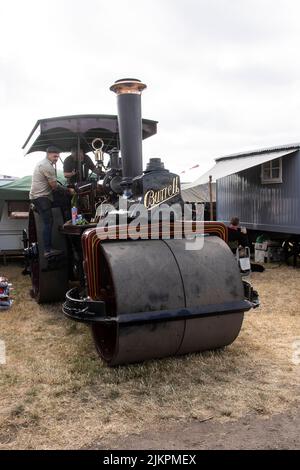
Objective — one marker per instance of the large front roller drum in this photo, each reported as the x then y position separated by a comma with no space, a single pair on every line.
154,275
49,277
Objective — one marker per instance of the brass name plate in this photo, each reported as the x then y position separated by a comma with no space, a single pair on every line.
153,198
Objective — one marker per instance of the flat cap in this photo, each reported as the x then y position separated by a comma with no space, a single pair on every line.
52,149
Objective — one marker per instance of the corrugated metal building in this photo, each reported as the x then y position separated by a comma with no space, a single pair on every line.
261,187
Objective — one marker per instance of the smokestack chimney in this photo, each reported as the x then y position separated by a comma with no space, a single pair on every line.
128,91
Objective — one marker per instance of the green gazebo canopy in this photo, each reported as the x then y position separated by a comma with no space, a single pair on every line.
18,190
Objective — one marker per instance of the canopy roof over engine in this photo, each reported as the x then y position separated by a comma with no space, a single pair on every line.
65,131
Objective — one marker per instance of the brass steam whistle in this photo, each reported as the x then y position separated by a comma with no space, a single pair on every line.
98,145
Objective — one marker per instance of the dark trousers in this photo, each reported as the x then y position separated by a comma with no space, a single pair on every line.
63,200
238,236
44,207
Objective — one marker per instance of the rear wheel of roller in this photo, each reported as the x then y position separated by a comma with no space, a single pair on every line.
49,277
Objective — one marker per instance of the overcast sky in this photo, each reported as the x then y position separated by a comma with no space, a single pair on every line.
223,76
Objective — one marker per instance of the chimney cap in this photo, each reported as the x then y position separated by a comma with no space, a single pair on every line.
128,85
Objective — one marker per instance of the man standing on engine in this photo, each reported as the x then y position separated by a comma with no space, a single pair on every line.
44,184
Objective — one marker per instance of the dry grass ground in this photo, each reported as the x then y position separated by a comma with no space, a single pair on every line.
56,393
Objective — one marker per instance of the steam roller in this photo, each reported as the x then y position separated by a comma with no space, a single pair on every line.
139,282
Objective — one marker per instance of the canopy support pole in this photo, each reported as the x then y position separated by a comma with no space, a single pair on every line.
211,204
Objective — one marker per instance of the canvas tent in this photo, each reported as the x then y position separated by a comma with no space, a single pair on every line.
14,204
17,190
4,179
198,193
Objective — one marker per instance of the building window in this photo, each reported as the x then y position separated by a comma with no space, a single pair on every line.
271,172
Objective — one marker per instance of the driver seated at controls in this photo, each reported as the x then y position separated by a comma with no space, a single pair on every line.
71,166
43,194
